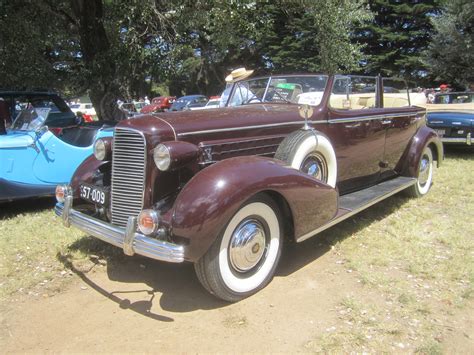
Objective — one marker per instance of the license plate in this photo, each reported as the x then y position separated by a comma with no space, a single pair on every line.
440,132
94,194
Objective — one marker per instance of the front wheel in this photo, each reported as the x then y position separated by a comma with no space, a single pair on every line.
424,175
244,258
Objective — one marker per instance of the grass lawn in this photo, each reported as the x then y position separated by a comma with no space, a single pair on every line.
413,260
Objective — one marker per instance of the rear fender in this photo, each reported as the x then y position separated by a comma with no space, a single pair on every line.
425,136
209,200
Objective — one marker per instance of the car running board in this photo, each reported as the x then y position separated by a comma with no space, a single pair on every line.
358,201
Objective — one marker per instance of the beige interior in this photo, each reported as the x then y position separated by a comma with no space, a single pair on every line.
367,100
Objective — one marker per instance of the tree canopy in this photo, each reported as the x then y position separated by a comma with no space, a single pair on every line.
450,55
113,49
394,40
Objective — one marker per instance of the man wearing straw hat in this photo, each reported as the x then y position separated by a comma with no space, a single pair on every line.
241,92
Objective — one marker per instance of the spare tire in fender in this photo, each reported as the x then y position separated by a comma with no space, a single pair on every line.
311,152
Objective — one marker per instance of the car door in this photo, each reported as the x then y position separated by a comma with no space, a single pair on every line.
400,122
356,130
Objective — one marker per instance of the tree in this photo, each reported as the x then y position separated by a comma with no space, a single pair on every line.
31,47
108,48
312,36
76,46
450,55
214,37
395,39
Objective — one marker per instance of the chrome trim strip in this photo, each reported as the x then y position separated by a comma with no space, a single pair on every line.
339,120
370,118
353,212
141,244
217,130
169,124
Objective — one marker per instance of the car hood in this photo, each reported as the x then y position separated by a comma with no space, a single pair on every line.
229,118
15,139
183,124
450,118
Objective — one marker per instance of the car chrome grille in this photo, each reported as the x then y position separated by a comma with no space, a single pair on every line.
128,175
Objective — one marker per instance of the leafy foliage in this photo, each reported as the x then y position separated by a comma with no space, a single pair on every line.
450,55
115,48
401,30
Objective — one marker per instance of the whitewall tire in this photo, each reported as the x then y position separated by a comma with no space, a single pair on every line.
244,257
424,175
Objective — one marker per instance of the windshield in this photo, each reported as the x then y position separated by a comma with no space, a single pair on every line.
31,118
454,98
294,89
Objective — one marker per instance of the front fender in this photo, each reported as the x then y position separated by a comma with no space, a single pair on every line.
209,200
86,173
411,159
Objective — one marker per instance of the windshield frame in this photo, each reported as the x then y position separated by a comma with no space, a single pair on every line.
269,80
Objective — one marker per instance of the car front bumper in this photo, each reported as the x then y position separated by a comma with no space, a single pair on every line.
459,140
128,239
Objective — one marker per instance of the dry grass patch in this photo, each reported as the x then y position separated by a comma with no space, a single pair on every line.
414,260
33,246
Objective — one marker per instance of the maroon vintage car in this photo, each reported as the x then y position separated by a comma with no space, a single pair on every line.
159,104
290,156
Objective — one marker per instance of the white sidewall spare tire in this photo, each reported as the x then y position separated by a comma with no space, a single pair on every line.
300,145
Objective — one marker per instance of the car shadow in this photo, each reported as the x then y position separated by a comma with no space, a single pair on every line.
298,255
14,208
459,152
176,287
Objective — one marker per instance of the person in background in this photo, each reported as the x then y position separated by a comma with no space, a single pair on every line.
444,89
234,76
147,101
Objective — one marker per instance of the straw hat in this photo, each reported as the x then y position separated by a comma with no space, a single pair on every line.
238,74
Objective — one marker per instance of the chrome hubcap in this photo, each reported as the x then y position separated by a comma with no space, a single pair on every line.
247,245
315,166
424,170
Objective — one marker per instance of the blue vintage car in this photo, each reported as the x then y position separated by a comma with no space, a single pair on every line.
43,146
452,117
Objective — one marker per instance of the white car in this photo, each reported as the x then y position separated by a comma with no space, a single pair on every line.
212,103
85,108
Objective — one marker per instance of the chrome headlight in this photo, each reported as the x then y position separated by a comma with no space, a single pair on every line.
162,157
100,149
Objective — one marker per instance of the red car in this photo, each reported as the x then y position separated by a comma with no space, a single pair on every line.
159,104
288,157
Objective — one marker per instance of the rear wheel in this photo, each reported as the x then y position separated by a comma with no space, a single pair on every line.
244,257
424,175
